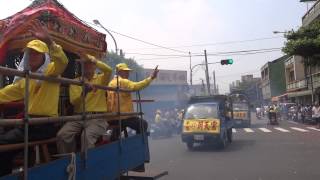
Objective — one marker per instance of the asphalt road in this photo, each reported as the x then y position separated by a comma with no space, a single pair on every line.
292,151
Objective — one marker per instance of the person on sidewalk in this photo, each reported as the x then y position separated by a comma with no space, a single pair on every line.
41,55
94,104
316,114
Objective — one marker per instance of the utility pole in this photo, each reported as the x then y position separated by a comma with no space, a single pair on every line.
214,83
207,72
311,83
190,69
203,86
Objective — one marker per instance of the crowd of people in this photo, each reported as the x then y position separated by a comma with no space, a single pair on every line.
291,111
42,55
167,121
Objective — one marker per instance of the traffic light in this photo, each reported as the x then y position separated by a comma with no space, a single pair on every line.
226,61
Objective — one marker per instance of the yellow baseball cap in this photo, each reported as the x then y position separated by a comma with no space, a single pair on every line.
123,67
38,46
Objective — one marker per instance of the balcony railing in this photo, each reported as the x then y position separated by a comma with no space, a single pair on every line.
311,14
297,85
316,80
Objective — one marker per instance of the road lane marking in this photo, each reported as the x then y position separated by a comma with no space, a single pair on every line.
281,129
313,128
299,129
265,130
234,130
248,130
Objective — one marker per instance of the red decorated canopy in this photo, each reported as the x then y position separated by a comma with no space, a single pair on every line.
65,28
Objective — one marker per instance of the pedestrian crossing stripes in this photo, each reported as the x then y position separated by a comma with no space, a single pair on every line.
265,130
281,129
299,129
275,129
248,130
313,128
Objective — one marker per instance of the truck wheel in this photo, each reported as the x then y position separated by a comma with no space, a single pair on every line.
230,136
190,145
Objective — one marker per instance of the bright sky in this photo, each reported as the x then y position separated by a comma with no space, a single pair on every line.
181,23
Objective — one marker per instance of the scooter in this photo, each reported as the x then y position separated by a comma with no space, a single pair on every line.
273,118
258,115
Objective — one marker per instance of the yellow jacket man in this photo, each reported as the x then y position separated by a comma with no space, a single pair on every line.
126,105
94,104
42,56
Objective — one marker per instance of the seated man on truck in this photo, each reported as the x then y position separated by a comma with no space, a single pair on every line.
41,55
126,104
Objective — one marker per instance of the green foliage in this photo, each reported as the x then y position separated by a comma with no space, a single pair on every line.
305,42
113,59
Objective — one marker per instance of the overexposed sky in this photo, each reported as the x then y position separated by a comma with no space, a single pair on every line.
181,24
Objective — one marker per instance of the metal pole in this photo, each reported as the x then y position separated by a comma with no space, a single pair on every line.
214,83
114,40
190,69
83,98
119,118
207,72
311,82
26,117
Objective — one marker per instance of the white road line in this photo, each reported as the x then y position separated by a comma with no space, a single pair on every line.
281,129
313,128
299,129
234,130
248,130
265,130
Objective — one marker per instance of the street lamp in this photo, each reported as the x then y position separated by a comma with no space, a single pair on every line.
279,32
191,69
96,22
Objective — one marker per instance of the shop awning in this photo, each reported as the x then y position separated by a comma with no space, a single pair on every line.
299,93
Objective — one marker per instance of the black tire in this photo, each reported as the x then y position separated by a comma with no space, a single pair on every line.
230,136
190,145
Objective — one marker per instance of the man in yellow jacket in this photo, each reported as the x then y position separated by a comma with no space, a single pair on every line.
43,56
94,104
126,105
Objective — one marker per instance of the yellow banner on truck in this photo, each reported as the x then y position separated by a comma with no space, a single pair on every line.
201,126
240,115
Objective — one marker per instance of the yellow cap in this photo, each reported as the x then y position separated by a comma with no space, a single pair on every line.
123,67
38,46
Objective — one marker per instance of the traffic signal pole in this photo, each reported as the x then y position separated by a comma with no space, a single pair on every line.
190,69
207,72
214,83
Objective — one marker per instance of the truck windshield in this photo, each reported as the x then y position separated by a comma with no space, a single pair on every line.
202,111
240,106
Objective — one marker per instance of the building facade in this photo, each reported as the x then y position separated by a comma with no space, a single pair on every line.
303,83
170,90
273,81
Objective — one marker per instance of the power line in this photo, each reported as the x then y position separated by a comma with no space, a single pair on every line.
150,54
235,53
145,42
219,43
237,74
212,54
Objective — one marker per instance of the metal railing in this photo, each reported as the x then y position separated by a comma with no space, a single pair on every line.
26,121
297,85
